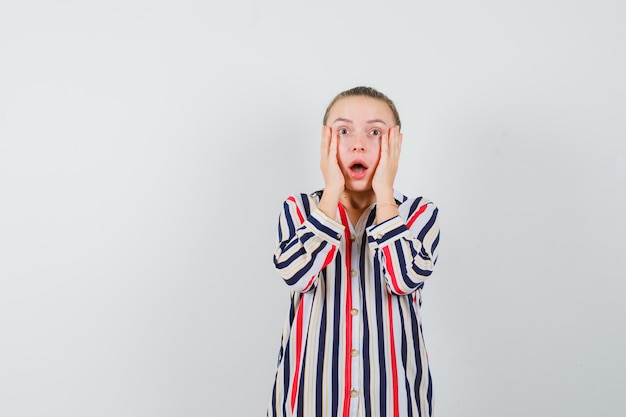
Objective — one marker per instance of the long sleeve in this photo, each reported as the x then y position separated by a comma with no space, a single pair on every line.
307,242
407,245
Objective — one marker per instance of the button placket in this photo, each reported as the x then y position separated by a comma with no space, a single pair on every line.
356,334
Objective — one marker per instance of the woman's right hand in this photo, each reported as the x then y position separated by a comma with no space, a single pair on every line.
333,177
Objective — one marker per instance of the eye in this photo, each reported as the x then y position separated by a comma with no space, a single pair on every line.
343,131
376,132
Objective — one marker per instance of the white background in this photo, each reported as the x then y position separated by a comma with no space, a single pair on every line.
146,148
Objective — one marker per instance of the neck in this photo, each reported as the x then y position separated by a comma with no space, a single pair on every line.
357,200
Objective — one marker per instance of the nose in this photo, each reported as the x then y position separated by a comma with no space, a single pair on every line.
359,142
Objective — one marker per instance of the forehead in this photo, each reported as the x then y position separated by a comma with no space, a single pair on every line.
360,109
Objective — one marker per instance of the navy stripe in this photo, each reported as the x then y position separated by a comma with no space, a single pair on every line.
304,237
319,387
286,377
394,232
403,271
367,399
273,397
280,233
435,243
286,246
414,327
305,271
421,272
305,204
404,351
414,206
336,339
378,295
367,396
429,393
281,265
319,226
291,228
428,225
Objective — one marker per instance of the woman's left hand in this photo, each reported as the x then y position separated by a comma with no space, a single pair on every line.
385,175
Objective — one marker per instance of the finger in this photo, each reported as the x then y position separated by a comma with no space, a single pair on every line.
332,145
396,141
384,144
325,143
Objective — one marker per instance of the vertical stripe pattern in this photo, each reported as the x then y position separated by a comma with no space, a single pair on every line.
352,343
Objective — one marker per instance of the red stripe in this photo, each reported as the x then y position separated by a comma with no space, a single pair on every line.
328,260
348,370
329,257
416,215
296,375
306,288
390,270
394,365
298,212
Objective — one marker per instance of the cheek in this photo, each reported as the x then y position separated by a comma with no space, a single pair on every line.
375,150
343,145
342,156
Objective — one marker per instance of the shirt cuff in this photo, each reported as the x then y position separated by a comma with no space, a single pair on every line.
387,232
324,227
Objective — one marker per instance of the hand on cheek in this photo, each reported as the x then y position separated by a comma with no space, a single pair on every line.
385,175
329,165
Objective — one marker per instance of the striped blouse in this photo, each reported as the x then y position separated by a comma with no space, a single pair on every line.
352,343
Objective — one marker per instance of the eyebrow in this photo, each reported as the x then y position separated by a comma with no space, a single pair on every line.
341,119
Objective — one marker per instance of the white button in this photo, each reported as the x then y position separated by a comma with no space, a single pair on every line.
352,238
338,235
354,352
354,311
353,273
354,393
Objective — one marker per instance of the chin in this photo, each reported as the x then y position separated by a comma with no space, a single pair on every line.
359,188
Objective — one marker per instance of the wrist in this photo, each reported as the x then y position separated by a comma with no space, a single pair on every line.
328,206
386,210
385,197
332,192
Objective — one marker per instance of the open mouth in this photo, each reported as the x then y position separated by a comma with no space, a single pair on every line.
357,169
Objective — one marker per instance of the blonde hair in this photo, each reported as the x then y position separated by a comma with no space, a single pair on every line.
366,92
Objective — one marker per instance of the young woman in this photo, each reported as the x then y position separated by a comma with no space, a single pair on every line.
355,256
